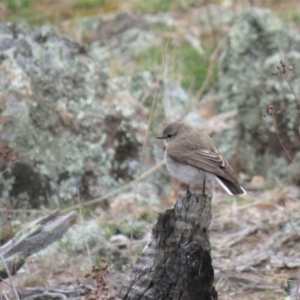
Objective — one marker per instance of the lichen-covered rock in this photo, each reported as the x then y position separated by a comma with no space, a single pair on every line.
164,99
215,16
70,134
255,46
117,39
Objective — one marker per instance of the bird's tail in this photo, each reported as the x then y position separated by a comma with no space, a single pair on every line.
230,187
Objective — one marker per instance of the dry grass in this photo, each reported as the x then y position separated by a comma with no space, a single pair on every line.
250,220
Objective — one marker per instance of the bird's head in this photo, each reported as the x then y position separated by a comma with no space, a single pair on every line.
171,132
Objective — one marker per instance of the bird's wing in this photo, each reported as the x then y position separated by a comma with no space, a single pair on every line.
209,159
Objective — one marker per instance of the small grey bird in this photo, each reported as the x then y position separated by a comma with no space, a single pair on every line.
190,157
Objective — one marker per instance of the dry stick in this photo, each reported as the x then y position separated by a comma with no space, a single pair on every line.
84,232
142,151
210,21
96,200
210,69
290,221
281,143
12,284
150,171
208,76
111,60
5,170
115,192
16,210
287,78
11,233
290,158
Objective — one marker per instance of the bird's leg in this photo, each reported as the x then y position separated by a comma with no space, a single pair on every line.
203,189
188,189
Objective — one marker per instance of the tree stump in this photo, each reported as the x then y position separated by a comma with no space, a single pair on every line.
176,262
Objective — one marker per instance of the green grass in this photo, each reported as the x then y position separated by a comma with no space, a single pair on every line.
155,6
138,228
237,200
25,10
186,64
14,5
296,17
88,4
193,67
21,10
110,229
150,60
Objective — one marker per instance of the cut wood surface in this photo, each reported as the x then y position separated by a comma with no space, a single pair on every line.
176,262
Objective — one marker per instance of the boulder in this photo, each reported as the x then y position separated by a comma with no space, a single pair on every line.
256,44
67,132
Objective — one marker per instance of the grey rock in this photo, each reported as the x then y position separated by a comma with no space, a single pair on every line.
214,16
68,291
161,18
120,240
255,46
163,98
76,239
117,259
72,126
117,38
286,236
70,134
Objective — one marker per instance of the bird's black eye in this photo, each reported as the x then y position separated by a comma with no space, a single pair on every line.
169,135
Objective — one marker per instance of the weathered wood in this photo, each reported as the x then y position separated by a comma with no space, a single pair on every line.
63,292
176,262
32,239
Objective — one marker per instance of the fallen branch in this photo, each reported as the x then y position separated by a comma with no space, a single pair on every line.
32,239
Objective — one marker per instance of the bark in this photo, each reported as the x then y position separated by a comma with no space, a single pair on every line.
176,262
32,239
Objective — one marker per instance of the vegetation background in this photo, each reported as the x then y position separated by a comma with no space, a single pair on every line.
116,226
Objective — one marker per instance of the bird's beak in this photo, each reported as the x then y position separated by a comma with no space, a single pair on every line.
162,137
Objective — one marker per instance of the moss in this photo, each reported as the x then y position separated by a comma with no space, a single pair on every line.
151,59
110,229
147,214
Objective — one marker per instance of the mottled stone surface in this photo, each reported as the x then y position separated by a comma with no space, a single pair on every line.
164,99
69,133
255,46
117,39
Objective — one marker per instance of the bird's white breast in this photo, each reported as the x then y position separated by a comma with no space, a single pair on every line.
183,172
